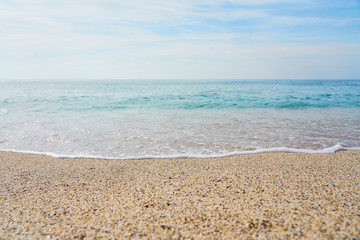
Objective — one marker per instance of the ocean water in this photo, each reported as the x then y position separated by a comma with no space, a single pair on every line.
137,119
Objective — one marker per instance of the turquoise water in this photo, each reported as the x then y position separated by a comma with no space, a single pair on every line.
134,119
117,95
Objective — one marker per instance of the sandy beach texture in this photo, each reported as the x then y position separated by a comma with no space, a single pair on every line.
270,195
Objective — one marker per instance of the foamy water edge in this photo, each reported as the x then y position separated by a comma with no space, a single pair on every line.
328,150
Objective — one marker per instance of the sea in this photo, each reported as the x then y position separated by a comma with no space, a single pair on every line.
134,119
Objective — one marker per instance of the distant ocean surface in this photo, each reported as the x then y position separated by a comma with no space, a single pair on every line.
140,119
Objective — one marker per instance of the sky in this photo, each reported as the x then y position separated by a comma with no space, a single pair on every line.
187,39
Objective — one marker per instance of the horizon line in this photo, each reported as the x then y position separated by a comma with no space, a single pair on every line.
179,79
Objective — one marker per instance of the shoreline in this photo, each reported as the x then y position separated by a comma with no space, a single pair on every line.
263,195
247,151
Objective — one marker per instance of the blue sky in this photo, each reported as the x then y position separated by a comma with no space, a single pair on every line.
188,39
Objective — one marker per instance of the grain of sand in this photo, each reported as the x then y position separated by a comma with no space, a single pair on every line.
269,195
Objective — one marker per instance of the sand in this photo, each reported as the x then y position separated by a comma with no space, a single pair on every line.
270,195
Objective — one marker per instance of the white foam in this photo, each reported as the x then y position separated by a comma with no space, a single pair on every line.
4,111
178,133
328,150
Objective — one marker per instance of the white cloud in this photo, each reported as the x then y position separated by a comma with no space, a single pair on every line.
189,60
128,39
290,20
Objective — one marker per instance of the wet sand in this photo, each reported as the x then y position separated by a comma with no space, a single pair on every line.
269,195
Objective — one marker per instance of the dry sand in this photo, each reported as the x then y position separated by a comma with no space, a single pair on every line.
270,195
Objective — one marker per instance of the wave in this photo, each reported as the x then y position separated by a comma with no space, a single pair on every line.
328,150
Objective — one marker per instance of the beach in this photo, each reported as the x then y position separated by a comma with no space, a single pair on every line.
228,119
267,195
